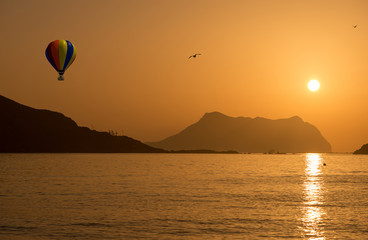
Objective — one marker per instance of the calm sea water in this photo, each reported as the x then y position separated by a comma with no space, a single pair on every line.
183,196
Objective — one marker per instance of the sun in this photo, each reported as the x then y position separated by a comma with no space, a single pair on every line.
313,85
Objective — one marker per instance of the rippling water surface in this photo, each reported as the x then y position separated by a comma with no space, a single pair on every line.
183,196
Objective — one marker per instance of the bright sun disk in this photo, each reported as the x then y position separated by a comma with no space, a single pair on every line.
313,85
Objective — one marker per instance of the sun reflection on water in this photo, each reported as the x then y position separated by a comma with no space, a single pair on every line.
313,213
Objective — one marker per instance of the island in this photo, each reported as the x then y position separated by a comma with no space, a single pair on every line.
219,132
362,150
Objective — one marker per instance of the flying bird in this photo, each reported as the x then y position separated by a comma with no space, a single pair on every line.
355,26
194,55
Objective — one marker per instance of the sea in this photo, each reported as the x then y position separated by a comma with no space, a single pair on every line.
183,196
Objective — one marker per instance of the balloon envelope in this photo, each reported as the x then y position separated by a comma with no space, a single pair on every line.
60,54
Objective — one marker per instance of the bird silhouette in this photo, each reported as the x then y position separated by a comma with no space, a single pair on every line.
355,26
194,55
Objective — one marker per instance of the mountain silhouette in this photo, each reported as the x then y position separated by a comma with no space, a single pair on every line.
362,150
25,129
219,132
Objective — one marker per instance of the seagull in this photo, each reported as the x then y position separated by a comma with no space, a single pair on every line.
194,55
355,26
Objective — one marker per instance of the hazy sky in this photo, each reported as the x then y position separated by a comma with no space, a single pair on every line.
132,71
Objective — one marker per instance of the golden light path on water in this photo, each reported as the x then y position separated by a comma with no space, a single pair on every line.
313,213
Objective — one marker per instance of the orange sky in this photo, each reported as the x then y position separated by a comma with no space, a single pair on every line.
132,71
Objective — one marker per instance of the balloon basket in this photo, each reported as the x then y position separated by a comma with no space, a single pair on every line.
61,78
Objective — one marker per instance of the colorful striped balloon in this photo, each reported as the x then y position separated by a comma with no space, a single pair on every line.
61,54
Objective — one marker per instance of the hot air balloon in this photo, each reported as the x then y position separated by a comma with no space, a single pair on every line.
61,54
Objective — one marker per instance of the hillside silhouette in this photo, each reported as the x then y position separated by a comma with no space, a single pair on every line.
25,129
362,150
219,132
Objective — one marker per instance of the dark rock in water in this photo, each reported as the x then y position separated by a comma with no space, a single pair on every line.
25,129
219,132
362,150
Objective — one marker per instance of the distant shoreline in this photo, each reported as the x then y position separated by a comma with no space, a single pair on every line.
178,152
